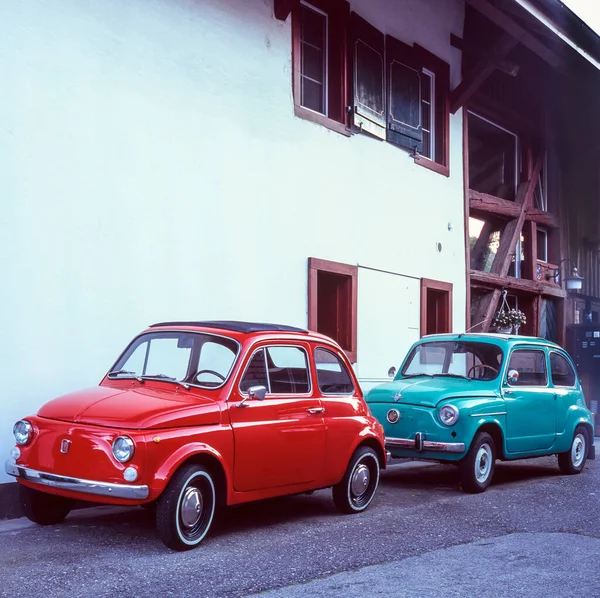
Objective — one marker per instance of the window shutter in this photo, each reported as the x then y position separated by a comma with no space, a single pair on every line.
404,120
367,48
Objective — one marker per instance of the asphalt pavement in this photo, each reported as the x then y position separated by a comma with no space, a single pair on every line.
532,533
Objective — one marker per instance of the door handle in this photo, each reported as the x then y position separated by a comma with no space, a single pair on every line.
316,410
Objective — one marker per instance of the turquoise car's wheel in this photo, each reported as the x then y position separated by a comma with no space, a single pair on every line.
186,508
573,461
476,469
357,488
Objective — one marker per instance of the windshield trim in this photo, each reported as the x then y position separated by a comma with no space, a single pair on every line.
180,382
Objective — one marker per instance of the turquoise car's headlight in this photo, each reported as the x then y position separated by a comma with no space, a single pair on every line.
448,415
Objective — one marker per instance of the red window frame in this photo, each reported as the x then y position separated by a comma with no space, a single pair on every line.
338,14
346,313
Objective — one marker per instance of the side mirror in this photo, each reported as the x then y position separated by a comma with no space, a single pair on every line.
257,392
254,392
392,372
513,376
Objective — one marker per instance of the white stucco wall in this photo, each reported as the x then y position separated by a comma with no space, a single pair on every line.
151,168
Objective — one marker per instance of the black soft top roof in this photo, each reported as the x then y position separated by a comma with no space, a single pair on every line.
235,326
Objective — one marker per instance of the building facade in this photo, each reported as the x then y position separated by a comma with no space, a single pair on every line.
309,163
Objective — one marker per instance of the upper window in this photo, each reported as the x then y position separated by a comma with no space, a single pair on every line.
399,93
332,300
530,368
319,56
561,370
493,158
332,374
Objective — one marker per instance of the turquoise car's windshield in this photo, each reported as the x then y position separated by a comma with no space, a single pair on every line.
473,360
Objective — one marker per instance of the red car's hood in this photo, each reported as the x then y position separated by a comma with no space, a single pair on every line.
140,408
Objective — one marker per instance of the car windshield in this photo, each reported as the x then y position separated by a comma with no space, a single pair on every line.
198,359
468,359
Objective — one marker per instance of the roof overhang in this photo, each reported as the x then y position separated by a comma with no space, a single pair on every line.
567,26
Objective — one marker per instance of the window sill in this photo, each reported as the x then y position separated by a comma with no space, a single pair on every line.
320,119
431,165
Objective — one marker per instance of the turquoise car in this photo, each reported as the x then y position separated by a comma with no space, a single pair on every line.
470,399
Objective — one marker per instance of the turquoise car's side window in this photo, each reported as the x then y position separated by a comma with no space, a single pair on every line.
527,367
561,370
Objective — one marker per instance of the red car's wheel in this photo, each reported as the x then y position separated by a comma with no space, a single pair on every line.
357,488
186,509
42,508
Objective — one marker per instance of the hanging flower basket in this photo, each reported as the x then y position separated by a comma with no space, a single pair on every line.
508,319
505,319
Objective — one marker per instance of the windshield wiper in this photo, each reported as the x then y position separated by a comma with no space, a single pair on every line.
415,375
164,377
125,373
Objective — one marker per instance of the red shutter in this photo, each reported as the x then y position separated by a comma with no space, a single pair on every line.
367,49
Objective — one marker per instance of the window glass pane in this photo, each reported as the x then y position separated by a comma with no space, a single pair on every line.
332,375
288,370
484,239
426,144
256,373
214,364
561,370
135,362
167,359
426,115
530,367
312,95
169,355
542,245
313,27
492,159
455,358
313,63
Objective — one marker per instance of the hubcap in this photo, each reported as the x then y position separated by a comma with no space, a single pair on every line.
483,463
360,481
578,450
191,507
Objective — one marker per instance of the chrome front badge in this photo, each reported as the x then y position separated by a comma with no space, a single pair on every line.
393,415
397,396
64,446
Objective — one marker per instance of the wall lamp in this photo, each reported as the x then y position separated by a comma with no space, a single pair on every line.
574,282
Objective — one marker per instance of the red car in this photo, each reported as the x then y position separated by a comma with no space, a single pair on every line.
195,415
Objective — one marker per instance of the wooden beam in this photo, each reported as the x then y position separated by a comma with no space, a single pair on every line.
541,217
489,280
482,70
511,27
487,306
491,204
512,230
282,8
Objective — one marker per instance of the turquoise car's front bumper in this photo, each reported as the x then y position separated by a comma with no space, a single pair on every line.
420,443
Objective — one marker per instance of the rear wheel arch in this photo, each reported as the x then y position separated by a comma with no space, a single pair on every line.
373,443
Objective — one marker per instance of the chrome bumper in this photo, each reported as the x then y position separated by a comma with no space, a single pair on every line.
420,444
76,484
